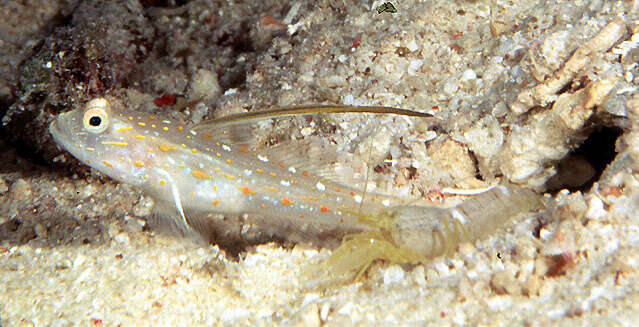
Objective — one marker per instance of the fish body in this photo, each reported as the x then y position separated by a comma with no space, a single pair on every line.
192,172
196,173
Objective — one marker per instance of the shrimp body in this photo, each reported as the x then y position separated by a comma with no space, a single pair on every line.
416,233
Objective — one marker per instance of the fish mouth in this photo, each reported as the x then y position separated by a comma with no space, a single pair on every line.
60,129
55,129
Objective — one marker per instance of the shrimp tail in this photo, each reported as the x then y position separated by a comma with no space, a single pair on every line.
435,231
412,234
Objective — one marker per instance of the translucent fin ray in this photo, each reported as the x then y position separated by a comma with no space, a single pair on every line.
310,154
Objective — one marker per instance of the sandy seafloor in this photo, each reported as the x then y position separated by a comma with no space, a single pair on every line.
73,246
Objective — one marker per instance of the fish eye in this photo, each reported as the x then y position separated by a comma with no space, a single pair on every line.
96,117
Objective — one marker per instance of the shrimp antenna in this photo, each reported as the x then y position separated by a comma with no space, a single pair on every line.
368,170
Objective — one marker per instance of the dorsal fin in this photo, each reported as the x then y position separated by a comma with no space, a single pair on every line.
311,154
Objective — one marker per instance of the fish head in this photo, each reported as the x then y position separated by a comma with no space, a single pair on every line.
105,140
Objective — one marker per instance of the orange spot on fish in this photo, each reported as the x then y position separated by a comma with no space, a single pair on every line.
246,190
180,128
244,150
285,201
207,135
228,161
324,209
352,193
272,174
216,202
337,189
259,171
194,150
106,163
198,174
162,182
281,164
138,164
164,147
305,173
263,206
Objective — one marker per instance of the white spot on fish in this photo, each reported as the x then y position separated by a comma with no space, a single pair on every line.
193,132
247,172
320,186
226,147
358,198
292,169
262,158
166,121
285,183
459,216
386,202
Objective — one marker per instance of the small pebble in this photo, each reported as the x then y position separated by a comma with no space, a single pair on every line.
41,231
143,207
3,186
393,275
469,75
596,208
21,189
88,191
133,224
